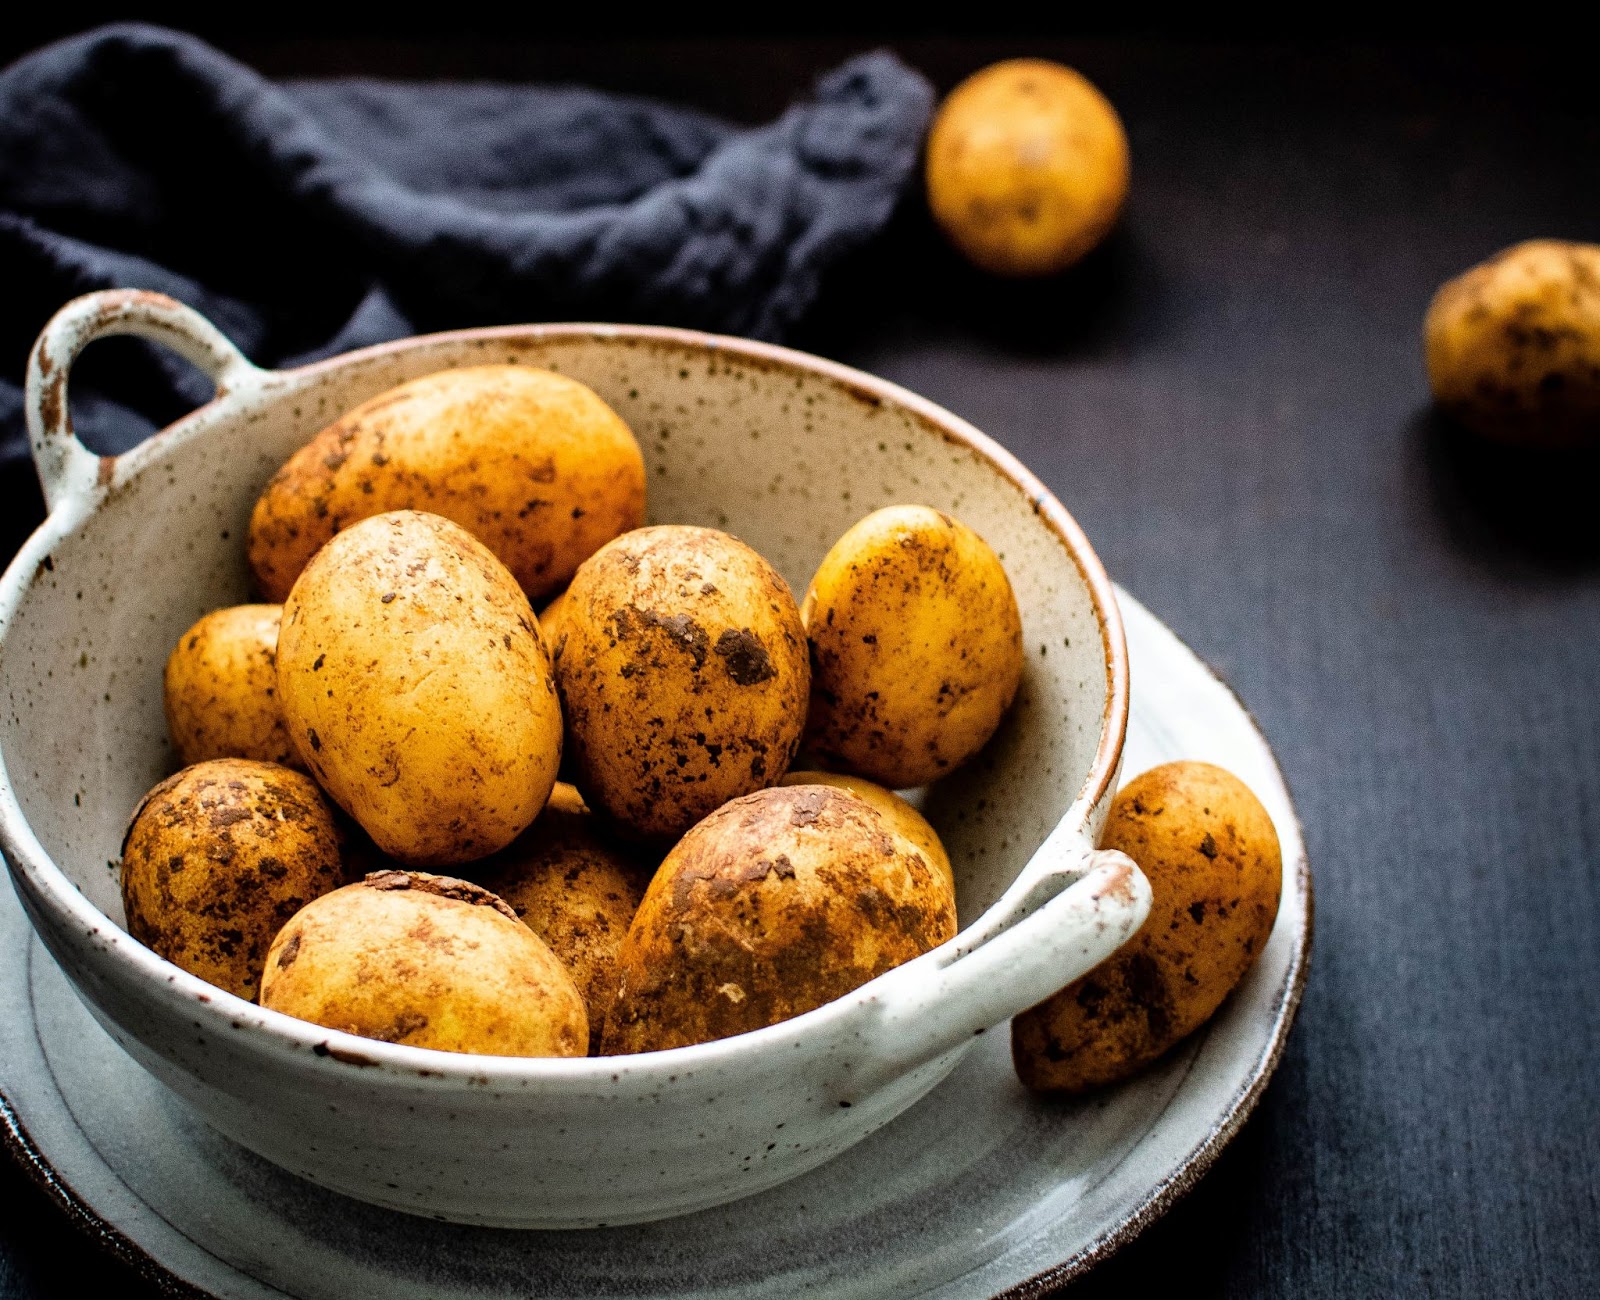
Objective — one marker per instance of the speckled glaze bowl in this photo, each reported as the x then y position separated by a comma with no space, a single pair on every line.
782,449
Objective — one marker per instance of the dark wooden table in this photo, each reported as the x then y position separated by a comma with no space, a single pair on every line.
1230,397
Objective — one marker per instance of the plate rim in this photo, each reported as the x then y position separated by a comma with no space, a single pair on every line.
118,1245
109,1239
1194,1166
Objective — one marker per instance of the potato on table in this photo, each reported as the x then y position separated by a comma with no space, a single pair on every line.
575,887
1027,167
775,904
916,647
221,689
1211,854
407,957
533,464
1513,345
417,690
683,676
218,857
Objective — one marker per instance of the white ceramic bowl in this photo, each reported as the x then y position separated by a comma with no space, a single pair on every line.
782,449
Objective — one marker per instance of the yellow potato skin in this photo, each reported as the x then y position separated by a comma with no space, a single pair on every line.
683,677
424,960
916,647
1513,345
220,689
218,857
902,818
1211,855
778,902
577,889
550,625
417,690
1027,167
533,464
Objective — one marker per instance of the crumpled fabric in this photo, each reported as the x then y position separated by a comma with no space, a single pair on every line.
309,218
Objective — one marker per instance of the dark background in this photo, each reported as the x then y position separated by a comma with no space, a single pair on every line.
1230,398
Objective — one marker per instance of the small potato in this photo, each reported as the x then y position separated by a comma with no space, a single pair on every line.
550,627
1027,167
1513,345
428,961
903,819
552,634
566,798
683,677
221,689
775,904
218,857
417,690
1211,855
531,463
577,889
916,647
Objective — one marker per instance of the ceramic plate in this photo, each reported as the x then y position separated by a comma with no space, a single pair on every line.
979,1190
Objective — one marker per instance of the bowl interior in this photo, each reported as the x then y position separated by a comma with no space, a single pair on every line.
782,453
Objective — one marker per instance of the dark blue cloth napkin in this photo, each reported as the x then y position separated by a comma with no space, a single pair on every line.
310,218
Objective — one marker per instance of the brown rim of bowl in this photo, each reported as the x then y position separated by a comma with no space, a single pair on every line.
1161,1198
873,391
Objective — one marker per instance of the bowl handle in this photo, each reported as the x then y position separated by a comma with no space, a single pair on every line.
1074,906
67,469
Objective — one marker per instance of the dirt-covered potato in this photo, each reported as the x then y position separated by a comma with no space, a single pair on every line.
218,857
1027,167
577,888
1513,345
903,819
417,690
683,676
1211,855
533,464
775,904
916,647
221,689
406,957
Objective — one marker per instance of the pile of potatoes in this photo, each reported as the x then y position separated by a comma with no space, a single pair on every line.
370,834
415,811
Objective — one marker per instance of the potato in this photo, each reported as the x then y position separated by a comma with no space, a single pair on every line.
683,677
406,957
531,463
916,647
417,690
550,626
903,819
218,857
566,798
1027,167
775,904
1211,855
1513,345
577,889
222,689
